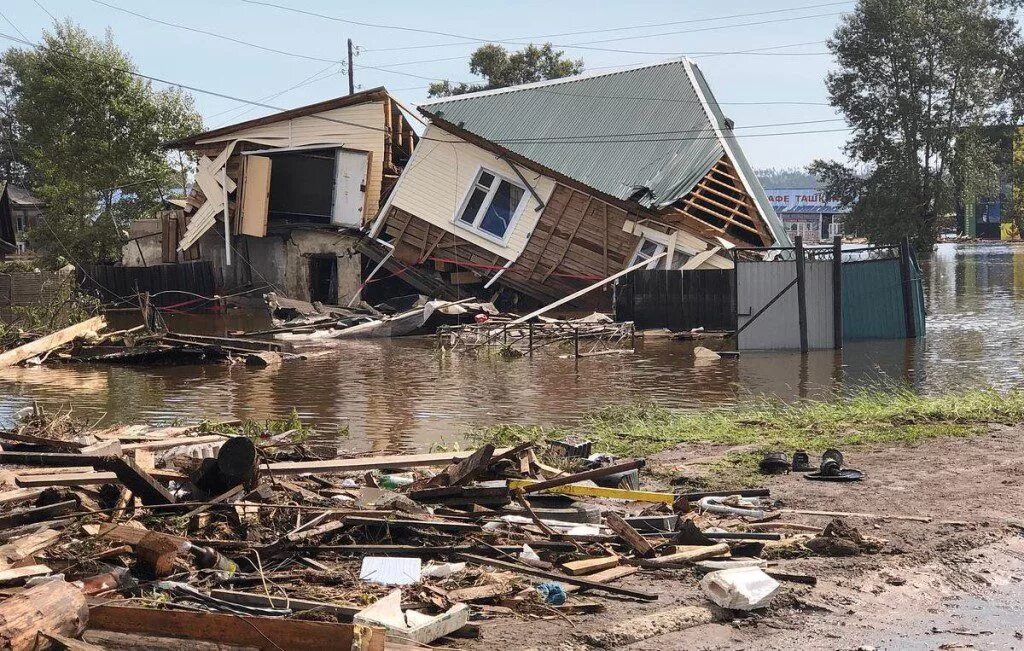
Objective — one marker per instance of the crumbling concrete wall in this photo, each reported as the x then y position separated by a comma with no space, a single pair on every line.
144,246
282,260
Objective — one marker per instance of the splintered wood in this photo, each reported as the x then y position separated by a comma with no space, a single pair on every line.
579,338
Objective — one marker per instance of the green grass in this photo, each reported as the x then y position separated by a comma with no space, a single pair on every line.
878,416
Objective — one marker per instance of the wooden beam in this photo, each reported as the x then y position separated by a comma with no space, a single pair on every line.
585,290
582,490
51,341
561,578
554,225
371,463
261,632
568,242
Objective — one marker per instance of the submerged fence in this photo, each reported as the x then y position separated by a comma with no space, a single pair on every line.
787,298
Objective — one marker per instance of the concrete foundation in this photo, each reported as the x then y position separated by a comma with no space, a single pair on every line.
304,264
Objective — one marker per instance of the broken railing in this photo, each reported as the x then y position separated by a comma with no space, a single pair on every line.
566,338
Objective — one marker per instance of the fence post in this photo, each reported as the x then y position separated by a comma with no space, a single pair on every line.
801,291
837,291
530,326
576,342
907,281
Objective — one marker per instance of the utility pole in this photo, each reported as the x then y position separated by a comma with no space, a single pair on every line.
351,74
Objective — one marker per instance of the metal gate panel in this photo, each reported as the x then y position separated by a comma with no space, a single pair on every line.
778,327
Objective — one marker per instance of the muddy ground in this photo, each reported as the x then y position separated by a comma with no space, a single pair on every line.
955,582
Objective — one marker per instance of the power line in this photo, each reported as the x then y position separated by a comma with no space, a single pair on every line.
364,126
223,37
761,51
315,77
476,39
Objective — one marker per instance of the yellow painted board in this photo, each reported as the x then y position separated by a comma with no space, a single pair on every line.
597,491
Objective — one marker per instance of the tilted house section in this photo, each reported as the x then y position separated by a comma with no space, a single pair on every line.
548,187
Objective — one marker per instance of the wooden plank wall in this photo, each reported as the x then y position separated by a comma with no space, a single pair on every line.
578,241
677,300
112,283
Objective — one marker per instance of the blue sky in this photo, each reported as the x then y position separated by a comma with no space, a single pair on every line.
747,85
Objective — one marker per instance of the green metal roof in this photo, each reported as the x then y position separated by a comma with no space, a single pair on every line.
648,132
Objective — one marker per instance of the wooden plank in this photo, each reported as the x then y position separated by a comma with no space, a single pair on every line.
596,473
598,491
371,463
51,341
590,565
19,495
255,195
629,535
18,575
90,478
260,632
163,444
554,576
690,555
264,601
555,219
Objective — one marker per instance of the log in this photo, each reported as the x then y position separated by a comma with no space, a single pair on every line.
55,607
606,576
237,462
51,341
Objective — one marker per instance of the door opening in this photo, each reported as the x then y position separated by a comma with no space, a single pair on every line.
323,279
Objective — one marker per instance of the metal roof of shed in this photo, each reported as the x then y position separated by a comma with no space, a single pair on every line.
655,127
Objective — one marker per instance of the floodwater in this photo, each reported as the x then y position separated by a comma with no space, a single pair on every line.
403,395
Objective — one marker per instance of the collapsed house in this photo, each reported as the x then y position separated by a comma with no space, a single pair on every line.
296,187
545,188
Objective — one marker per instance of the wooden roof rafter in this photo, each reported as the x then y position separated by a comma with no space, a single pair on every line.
719,202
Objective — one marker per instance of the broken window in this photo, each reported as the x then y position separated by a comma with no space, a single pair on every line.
492,205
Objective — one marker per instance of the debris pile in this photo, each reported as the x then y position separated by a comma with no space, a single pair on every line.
131,535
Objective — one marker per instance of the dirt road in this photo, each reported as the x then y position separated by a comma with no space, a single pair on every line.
955,581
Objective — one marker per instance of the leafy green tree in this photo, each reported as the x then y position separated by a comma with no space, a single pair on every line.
918,81
89,136
503,69
785,177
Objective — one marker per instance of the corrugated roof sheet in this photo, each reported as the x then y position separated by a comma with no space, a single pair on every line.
617,132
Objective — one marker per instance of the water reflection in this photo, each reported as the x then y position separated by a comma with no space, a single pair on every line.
402,394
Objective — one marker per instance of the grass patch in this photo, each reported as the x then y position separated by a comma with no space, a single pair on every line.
878,416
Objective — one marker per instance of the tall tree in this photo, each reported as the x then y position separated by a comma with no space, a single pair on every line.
502,69
89,135
918,81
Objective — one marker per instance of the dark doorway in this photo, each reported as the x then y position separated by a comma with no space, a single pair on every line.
323,279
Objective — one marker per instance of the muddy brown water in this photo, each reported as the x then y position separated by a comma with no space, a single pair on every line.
403,395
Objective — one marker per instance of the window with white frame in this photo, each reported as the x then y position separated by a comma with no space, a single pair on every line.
492,205
649,248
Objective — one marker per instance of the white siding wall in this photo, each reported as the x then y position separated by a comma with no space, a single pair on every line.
436,181
315,130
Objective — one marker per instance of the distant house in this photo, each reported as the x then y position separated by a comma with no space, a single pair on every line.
544,188
299,186
991,216
808,212
21,210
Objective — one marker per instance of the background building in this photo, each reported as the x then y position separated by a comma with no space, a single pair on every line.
808,212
